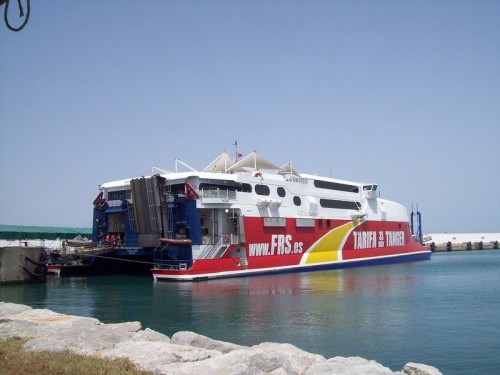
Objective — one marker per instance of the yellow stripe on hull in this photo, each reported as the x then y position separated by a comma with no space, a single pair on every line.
329,247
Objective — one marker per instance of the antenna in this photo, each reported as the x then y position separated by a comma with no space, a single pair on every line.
178,161
235,144
155,168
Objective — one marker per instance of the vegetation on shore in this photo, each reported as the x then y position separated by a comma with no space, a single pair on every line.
14,361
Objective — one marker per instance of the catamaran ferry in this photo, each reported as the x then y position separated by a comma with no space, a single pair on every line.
249,216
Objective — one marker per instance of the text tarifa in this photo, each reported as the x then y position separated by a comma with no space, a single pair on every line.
372,239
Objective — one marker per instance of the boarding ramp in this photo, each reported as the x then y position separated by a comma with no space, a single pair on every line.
146,198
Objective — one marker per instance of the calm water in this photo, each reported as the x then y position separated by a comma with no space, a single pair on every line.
444,312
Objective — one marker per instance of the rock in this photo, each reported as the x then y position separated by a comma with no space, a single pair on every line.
348,366
278,371
156,356
420,369
150,335
7,309
200,341
259,359
58,332
185,353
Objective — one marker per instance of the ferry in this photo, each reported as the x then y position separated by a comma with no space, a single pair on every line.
240,217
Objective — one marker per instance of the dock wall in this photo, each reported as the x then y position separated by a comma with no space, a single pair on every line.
461,246
19,264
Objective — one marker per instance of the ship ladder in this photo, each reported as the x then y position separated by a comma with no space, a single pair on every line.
169,230
130,206
217,249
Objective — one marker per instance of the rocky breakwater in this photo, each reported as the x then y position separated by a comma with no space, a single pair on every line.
184,353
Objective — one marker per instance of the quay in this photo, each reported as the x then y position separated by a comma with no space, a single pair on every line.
19,264
23,250
461,241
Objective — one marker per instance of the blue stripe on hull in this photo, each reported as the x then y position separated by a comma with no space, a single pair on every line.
372,262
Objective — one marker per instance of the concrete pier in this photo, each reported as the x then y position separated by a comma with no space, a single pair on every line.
461,241
461,246
19,264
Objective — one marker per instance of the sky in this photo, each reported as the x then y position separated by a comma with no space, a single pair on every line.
405,94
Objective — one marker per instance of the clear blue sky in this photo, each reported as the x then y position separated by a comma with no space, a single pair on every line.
402,93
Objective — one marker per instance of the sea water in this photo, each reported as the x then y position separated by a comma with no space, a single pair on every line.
444,312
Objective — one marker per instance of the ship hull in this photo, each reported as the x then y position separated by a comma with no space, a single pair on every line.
115,262
342,244
215,273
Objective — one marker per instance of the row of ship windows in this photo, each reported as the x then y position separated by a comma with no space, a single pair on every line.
332,203
323,202
264,190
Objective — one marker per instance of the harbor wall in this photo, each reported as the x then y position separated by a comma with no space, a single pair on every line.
49,244
461,241
19,264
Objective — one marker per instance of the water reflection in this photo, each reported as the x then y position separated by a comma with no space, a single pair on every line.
318,307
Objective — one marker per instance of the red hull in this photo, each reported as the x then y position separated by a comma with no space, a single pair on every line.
329,244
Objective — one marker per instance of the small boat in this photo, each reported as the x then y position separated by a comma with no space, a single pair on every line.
100,259
76,262
245,217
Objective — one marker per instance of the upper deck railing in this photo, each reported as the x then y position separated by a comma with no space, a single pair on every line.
218,193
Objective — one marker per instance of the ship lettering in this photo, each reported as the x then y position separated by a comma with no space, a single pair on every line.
297,247
381,242
365,239
258,249
395,238
281,243
372,239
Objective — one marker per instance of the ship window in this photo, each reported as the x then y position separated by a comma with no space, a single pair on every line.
328,224
225,186
262,190
117,195
370,187
297,201
281,192
304,222
246,188
334,203
336,186
274,222
320,223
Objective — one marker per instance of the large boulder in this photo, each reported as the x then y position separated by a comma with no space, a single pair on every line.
200,341
348,366
264,358
51,331
420,369
157,356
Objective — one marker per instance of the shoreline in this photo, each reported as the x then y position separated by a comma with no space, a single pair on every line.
184,353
